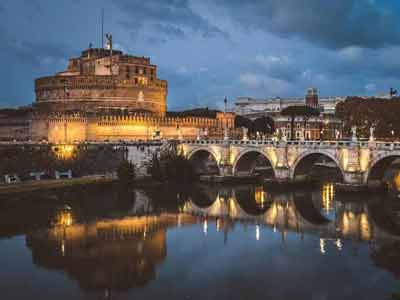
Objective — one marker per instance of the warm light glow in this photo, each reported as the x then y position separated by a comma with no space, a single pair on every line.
397,181
65,151
64,218
259,196
258,232
322,246
327,197
205,227
345,225
365,227
339,244
63,248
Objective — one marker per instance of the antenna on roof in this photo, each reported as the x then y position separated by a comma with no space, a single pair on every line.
102,28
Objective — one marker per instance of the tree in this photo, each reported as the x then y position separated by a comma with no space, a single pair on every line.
264,124
172,167
126,173
383,114
304,111
155,168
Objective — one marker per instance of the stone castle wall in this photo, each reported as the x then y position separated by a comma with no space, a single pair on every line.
93,93
75,128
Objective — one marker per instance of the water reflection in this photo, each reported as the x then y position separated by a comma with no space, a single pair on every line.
106,255
123,249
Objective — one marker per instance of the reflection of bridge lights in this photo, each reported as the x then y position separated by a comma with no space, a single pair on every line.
397,181
218,224
365,227
346,223
259,196
257,232
205,227
327,197
63,247
64,218
339,244
322,246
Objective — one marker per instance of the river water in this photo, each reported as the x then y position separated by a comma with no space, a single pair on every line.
203,242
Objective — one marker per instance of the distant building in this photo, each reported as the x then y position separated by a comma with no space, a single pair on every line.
325,127
246,106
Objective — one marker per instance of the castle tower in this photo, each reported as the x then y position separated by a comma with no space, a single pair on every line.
102,80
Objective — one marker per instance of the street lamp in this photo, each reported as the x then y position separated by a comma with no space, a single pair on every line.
392,134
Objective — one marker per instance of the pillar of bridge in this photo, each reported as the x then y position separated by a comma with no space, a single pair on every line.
353,172
282,173
225,165
282,170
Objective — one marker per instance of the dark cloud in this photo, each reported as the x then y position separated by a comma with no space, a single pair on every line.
169,30
171,17
332,24
32,53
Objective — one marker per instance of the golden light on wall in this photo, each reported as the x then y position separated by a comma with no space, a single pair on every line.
271,154
364,159
64,151
344,158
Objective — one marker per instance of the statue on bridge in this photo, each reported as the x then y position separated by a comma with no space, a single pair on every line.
245,136
354,134
371,134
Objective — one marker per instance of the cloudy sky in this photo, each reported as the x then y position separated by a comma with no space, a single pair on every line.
207,49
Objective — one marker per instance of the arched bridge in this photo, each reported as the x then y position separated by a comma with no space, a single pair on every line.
357,162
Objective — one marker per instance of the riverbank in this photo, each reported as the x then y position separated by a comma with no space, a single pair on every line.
145,182
46,184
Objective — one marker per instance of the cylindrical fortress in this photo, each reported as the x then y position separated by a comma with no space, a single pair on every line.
101,80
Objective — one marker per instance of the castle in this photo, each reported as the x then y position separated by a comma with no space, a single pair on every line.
104,95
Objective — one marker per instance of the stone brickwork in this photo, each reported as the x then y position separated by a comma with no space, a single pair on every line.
67,128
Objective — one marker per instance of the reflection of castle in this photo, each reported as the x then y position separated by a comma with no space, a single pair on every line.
104,255
104,95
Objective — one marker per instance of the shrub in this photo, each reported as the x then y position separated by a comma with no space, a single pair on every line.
126,173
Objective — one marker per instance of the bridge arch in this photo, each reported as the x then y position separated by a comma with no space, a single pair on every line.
306,160
380,165
245,161
205,160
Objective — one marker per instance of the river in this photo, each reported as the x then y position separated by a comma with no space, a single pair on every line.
200,242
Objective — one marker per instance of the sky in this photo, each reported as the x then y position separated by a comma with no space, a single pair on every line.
209,49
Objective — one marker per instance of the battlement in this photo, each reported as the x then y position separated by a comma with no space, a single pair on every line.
155,121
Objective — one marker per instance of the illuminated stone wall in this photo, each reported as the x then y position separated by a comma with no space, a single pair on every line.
73,128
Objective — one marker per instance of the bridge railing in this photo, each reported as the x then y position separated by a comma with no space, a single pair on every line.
311,144
379,145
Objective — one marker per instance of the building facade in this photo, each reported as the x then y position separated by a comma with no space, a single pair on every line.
325,127
253,108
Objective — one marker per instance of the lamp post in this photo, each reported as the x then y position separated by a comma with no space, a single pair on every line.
226,136
392,134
